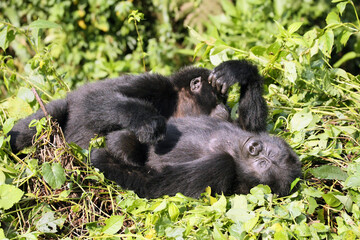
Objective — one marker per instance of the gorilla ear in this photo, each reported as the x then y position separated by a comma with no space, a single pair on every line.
195,85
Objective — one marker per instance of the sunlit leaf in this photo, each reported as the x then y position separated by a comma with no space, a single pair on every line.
40,23
294,27
327,42
332,18
301,120
173,211
9,195
113,224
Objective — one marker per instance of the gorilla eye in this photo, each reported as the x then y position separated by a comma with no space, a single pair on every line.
263,163
254,147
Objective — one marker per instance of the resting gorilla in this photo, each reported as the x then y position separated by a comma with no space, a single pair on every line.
201,151
142,103
131,111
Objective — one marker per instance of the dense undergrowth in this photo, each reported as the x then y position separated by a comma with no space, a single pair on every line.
308,53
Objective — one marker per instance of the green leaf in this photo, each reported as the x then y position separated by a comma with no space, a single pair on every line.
113,224
161,206
279,7
217,234
239,201
43,24
195,35
281,235
240,215
331,200
312,205
333,18
348,56
295,208
229,8
8,125
48,223
250,224
344,37
329,172
353,181
173,212
176,233
2,176
294,27
9,195
26,94
220,205
290,71
3,38
341,7
326,42
53,174
6,37
340,73
301,120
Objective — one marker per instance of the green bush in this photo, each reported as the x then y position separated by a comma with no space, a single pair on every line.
307,52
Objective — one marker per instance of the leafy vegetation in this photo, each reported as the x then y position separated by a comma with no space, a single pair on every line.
307,51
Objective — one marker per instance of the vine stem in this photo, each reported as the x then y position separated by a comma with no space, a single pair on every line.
140,40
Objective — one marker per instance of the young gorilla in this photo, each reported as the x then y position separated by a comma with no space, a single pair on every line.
140,105
201,151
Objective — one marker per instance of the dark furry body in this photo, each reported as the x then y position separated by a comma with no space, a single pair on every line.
143,103
132,111
203,151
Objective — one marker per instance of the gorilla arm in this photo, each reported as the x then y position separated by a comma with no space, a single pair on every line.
252,108
22,135
189,178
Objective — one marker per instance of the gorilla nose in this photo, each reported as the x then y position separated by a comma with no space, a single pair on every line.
254,147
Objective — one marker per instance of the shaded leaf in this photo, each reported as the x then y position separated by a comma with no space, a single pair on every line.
329,172
48,223
53,174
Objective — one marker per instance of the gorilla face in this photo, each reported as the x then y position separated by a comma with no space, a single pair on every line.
267,160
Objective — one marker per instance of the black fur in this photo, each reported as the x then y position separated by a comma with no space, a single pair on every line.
131,112
142,104
201,151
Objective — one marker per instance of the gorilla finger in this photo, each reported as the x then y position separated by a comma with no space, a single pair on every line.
211,78
219,83
213,81
224,89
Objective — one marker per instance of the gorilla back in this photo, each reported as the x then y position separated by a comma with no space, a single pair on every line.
203,151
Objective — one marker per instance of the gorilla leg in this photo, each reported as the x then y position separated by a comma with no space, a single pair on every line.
22,135
104,112
124,146
190,178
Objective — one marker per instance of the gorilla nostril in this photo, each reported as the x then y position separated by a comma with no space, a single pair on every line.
254,147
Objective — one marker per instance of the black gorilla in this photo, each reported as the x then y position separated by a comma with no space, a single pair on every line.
142,103
202,151
131,112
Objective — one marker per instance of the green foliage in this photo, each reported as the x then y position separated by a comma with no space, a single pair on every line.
308,53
